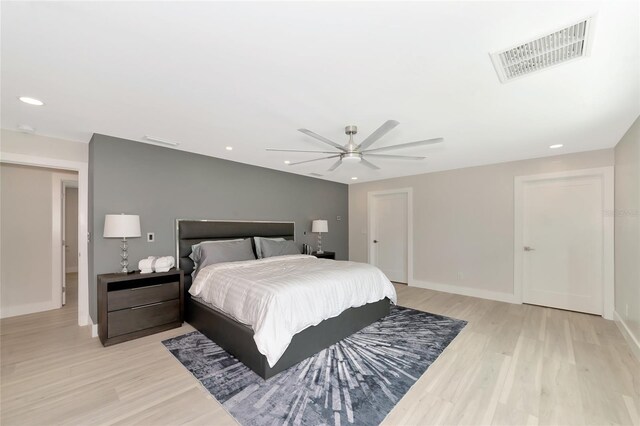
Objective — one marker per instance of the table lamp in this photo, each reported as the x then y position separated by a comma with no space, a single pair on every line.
319,226
122,226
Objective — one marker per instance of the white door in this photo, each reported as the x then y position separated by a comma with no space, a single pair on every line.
562,234
389,235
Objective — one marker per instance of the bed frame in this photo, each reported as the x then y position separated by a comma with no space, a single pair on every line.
237,338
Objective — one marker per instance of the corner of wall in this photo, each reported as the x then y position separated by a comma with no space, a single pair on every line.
632,340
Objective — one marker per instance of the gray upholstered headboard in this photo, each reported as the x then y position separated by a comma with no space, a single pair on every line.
190,232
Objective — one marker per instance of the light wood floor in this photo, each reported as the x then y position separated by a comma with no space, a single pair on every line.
512,364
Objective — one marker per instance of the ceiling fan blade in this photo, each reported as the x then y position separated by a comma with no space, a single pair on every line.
396,157
382,130
296,150
335,165
406,145
315,159
322,138
369,164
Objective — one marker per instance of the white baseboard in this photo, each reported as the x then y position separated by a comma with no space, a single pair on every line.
30,308
467,291
94,327
632,340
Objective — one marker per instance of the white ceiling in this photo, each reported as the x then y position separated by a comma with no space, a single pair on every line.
248,75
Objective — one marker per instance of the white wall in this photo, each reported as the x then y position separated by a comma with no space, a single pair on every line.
627,239
43,146
26,208
43,151
463,222
71,230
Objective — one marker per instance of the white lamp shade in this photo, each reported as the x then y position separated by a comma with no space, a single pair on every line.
121,226
319,226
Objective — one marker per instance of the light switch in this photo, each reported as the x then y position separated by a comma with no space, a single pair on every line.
151,237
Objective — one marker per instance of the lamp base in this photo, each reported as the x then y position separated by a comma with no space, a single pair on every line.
124,254
319,251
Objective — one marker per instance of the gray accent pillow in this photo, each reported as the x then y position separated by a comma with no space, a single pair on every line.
212,252
258,243
272,248
195,249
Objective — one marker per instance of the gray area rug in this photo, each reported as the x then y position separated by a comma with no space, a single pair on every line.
356,381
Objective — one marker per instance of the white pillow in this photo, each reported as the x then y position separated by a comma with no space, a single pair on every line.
259,246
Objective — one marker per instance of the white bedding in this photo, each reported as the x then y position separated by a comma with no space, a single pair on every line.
281,296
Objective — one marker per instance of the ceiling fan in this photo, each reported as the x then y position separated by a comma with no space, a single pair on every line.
355,153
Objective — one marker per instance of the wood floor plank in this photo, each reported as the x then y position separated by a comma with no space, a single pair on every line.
511,365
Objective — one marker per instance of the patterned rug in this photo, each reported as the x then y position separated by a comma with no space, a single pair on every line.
356,381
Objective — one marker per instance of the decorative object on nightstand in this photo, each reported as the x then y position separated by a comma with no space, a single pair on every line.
122,226
325,255
319,226
136,305
156,264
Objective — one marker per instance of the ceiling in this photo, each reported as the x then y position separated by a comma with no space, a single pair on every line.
247,75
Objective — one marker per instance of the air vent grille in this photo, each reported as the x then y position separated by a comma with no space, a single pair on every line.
544,52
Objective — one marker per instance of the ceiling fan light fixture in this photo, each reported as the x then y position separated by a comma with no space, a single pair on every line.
352,157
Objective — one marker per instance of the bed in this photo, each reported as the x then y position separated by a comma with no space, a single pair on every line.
238,338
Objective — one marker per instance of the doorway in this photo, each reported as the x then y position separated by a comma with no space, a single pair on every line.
82,171
390,244
564,243
32,222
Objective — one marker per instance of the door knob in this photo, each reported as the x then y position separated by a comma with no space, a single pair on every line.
375,241
527,248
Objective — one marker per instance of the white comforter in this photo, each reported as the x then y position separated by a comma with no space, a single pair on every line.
281,296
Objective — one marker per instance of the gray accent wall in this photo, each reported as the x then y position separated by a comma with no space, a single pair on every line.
162,184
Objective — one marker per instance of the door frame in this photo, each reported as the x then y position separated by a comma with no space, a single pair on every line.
59,181
606,175
83,215
370,220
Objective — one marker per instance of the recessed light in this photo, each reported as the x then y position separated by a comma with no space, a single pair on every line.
556,146
287,162
354,178
31,101
229,148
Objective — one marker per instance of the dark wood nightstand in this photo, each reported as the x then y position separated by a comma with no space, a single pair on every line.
135,305
326,255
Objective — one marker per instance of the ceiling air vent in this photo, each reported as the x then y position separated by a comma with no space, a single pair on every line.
544,52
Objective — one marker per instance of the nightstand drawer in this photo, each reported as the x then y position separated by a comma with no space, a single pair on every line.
142,317
128,298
